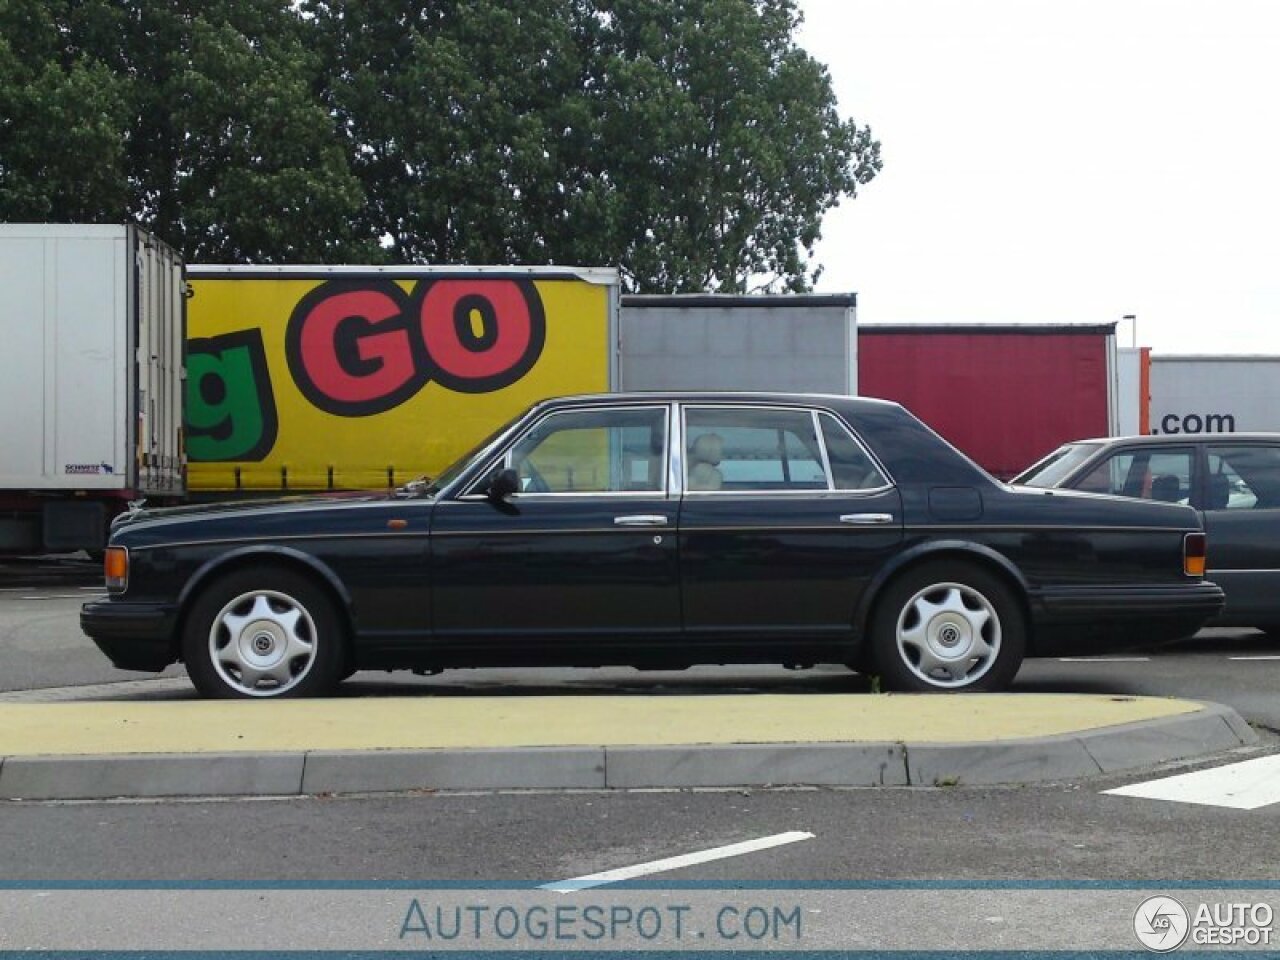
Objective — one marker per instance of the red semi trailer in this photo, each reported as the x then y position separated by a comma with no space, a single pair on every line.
1006,395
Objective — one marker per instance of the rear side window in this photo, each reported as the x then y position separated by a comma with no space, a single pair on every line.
851,467
735,448
1243,478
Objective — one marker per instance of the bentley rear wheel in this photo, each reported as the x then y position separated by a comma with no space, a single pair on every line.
263,632
948,626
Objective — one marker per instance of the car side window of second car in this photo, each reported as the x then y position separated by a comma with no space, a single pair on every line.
1146,474
1243,478
606,450
752,449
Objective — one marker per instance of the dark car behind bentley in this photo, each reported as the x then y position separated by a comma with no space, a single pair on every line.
1231,479
658,530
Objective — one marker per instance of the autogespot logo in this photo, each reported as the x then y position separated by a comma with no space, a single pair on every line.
1161,924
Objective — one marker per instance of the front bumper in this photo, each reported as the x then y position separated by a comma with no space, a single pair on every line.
135,636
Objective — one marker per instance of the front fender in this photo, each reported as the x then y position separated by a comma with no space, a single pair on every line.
216,565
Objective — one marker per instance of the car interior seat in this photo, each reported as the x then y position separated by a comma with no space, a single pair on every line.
704,460
1167,488
1219,492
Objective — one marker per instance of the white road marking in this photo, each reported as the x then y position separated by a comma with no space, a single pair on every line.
1104,659
1241,786
675,863
1255,658
55,596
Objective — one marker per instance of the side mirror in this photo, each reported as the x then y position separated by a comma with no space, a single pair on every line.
502,484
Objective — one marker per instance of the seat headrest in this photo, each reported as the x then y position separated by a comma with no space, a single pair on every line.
1167,488
1219,491
707,448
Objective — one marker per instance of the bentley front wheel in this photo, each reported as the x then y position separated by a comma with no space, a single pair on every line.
262,632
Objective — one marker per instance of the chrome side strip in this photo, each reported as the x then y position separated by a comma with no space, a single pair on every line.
422,534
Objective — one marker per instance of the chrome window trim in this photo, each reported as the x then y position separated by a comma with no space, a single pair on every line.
676,486
822,449
834,496
470,493
571,494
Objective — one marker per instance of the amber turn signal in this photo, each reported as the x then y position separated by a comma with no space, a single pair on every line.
1193,554
116,567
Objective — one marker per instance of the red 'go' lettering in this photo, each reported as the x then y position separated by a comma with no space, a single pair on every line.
359,347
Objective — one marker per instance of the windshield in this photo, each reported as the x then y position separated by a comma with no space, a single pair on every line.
1057,466
451,472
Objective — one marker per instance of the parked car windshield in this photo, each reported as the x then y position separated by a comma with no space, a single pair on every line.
451,472
1057,466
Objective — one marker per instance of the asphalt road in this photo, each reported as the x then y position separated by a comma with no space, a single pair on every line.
1047,832
1057,831
41,644
41,647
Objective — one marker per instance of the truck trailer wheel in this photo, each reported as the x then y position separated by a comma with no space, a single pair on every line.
948,626
264,632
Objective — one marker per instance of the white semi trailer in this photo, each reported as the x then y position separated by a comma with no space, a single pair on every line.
92,340
1215,394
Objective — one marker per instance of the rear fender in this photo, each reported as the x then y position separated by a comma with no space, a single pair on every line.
962,550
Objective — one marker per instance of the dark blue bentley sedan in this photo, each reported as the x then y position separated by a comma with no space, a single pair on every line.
660,531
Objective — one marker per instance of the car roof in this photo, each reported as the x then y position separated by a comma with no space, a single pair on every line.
726,396
1158,439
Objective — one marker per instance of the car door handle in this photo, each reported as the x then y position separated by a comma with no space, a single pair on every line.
866,519
641,520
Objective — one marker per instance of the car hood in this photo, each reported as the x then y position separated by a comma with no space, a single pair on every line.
229,508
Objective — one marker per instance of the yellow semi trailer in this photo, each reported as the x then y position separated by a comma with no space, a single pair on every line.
353,378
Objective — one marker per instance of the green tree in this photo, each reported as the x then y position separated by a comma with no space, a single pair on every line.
455,112
724,143
690,141
198,119
63,122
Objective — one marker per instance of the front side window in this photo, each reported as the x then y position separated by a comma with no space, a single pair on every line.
1149,475
747,450
593,451
1243,478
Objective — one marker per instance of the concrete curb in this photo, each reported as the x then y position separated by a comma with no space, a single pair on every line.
1212,729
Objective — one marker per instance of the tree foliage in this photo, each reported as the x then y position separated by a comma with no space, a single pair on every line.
198,119
691,142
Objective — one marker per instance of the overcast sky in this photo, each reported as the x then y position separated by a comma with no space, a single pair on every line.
1063,161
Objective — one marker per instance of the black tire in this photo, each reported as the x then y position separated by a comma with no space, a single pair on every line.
936,612
250,616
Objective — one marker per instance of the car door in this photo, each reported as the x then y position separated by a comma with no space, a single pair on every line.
784,518
584,553
1240,500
